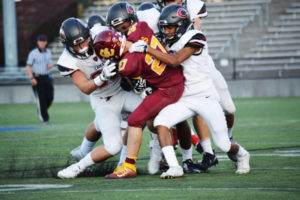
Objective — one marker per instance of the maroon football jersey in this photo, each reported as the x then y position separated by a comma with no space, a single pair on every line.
134,65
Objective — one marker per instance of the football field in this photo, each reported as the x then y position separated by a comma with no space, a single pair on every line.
32,153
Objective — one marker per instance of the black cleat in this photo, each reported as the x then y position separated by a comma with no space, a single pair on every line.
199,148
189,167
207,161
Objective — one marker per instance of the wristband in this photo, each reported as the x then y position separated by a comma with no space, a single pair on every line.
98,81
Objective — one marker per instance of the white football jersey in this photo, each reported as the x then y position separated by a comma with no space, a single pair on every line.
91,67
150,16
196,8
195,68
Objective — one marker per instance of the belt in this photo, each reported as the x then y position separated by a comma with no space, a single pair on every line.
40,75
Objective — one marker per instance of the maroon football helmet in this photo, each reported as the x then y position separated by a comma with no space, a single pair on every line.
109,44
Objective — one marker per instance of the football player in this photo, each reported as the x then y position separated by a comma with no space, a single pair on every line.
197,11
120,17
167,83
99,80
199,96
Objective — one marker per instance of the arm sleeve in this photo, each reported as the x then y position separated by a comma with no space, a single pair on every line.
30,59
65,71
197,41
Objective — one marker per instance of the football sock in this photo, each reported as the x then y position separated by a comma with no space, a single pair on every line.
86,146
123,155
130,160
206,145
170,156
195,140
86,162
241,152
187,153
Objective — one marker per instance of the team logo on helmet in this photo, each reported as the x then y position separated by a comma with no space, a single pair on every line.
62,35
182,13
129,9
105,53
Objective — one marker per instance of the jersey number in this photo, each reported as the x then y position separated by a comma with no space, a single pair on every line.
156,66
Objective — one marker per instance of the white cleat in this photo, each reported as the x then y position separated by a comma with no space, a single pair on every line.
155,157
243,166
76,154
70,172
172,172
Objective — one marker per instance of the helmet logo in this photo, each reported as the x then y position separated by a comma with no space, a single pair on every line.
182,13
105,53
129,9
62,35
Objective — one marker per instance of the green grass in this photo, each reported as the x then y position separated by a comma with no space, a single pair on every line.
268,127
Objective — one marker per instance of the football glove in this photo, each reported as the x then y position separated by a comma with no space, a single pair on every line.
139,86
107,72
139,46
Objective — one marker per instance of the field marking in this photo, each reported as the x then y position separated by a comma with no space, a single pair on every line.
18,187
167,189
6,129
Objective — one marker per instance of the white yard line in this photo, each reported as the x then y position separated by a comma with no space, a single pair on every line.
18,187
49,186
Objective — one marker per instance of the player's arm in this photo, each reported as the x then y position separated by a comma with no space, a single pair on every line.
83,83
172,60
86,85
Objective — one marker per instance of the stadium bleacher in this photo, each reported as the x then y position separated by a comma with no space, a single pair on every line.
277,53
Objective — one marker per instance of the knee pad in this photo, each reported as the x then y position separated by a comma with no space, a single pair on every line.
227,102
224,146
114,147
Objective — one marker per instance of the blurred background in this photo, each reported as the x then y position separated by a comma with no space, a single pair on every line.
254,43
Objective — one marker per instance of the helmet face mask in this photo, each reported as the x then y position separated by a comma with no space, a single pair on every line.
74,32
119,13
174,15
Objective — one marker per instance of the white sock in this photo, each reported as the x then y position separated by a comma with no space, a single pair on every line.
230,132
242,151
187,154
86,146
170,156
122,155
206,145
86,162
154,136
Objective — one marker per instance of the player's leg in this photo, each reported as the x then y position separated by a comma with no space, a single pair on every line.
108,121
168,117
155,149
149,108
184,136
209,158
213,115
90,139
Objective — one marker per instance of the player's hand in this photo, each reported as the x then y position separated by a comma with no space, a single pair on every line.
108,70
139,86
139,46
